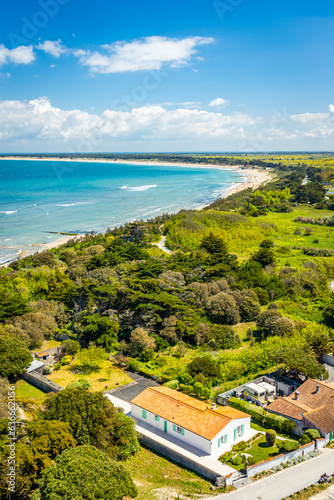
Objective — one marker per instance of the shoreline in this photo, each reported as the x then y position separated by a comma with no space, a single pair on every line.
253,178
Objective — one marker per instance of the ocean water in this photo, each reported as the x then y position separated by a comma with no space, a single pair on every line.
41,196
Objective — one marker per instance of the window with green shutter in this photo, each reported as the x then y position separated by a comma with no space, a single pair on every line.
178,429
235,434
243,429
156,418
143,414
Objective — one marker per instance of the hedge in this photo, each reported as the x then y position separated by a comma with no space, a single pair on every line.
262,416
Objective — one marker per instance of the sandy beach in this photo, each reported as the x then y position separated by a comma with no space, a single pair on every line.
253,178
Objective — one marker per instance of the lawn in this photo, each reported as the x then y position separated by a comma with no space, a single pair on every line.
101,380
158,478
25,391
259,450
48,344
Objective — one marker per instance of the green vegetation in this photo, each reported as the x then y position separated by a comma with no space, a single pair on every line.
85,473
245,291
257,449
150,471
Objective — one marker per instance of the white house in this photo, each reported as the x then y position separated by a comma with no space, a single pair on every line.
210,429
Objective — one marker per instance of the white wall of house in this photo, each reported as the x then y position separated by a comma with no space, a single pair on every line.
219,444
235,431
173,430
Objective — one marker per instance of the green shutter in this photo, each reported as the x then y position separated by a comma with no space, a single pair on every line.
156,418
143,414
182,432
243,429
235,434
225,438
219,442
174,427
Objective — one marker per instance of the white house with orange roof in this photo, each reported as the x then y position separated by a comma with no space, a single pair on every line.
211,429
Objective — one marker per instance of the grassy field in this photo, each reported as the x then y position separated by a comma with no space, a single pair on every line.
244,234
48,344
158,478
25,391
102,380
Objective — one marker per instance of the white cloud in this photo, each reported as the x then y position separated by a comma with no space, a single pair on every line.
38,122
55,49
219,103
331,108
306,118
19,55
149,53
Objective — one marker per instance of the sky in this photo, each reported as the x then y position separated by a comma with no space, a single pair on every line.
201,75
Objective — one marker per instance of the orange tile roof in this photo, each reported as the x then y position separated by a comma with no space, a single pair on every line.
187,412
42,354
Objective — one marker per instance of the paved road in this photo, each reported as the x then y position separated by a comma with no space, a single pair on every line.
162,246
287,482
129,392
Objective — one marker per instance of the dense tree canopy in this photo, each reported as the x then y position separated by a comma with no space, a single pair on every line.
14,355
85,473
93,420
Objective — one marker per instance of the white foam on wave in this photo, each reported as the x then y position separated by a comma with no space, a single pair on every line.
140,188
78,203
8,239
8,212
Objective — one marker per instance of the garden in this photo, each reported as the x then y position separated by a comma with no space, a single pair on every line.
257,449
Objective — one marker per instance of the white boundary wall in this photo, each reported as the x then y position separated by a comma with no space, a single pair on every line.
280,459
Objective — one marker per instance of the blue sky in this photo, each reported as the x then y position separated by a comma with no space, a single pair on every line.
220,75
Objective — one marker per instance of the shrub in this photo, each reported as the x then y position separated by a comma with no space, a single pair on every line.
237,460
310,435
48,369
226,457
172,384
70,346
188,389
241,446
82,382
270,437
287,445
205,365
133,365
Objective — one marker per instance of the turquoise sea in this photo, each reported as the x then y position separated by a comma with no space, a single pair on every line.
41,196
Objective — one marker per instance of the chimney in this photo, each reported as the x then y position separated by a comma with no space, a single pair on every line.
321,377
296,395
213,407
317,388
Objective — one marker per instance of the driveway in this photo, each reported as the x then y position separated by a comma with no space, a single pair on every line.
130,391
285,483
